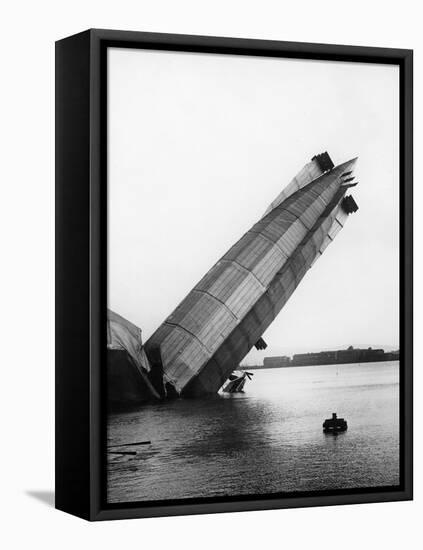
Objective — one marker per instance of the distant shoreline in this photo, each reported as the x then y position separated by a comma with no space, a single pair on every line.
347,356
261,367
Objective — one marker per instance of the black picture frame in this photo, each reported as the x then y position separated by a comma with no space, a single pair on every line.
81,274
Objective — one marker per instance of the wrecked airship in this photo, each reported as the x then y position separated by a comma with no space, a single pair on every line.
199,345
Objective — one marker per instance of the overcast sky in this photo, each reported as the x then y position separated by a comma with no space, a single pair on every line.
200,144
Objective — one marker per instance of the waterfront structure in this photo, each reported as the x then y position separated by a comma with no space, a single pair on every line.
276,362
343,356
336,357
206,337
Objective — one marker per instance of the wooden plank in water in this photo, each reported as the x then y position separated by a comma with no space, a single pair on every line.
129,444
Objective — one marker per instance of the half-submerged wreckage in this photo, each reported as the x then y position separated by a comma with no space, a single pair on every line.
236,381
129,376
207,336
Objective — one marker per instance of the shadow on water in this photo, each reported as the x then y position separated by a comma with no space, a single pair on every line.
46,497
221,425
269,439
198,446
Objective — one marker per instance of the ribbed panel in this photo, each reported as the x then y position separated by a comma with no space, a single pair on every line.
307,174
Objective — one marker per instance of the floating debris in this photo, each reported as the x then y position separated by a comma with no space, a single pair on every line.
334,425
122,452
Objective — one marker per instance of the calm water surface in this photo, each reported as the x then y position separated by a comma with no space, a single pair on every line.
268,439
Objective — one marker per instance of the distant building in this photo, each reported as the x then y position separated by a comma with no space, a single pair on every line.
392,356
315,358
276,362
336,357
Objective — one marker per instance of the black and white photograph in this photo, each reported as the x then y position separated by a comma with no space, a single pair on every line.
210,242
253,276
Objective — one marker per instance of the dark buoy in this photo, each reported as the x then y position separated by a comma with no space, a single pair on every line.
334,425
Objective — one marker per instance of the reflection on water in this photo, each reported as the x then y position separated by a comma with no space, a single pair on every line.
266,440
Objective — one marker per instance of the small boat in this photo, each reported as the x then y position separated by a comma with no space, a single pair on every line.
236,381
334,425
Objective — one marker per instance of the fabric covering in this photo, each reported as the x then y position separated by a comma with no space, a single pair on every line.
229,309
124,335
